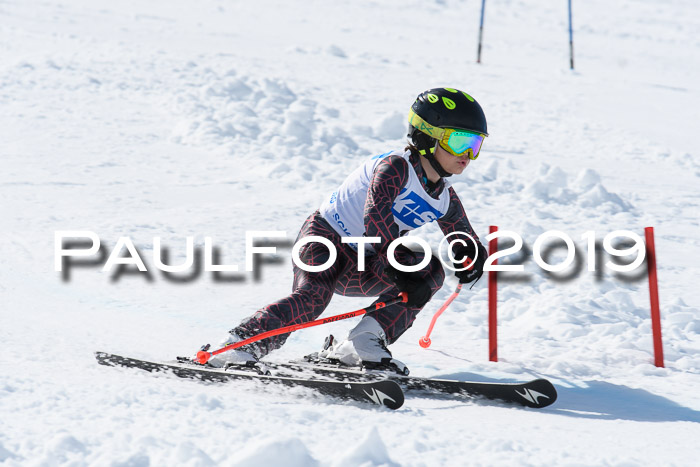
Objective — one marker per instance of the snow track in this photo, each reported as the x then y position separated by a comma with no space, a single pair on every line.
212,118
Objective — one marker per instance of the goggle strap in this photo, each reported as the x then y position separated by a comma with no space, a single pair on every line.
425,127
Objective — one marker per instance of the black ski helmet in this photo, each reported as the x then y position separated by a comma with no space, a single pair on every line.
444,108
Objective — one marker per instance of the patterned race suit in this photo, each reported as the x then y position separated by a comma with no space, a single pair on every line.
312,291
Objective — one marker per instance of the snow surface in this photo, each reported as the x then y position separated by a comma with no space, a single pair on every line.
211,118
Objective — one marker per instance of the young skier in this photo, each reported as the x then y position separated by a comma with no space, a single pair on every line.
386,197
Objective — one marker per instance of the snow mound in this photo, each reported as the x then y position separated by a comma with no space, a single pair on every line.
189,454
587,191
391,126
370,452
136,460
293,451
231,108
5,454
64,448
336,51
242,115
681,332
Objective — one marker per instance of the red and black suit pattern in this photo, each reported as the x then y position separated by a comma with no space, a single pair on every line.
312,291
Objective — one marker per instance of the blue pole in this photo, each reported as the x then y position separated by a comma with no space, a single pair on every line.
571,39
481,30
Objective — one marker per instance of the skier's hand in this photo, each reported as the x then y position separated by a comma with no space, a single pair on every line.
417,289
474,260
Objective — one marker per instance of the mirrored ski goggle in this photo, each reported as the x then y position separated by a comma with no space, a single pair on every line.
461,143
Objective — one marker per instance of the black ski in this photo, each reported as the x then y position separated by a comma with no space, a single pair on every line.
379,391
537,393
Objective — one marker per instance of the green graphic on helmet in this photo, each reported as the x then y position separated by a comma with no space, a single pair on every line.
449,103
432,98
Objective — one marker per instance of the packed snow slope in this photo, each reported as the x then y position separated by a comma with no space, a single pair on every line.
211,118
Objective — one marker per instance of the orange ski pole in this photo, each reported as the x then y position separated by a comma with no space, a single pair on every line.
204,356
425,340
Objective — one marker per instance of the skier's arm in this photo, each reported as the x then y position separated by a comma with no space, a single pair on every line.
455,220
388,180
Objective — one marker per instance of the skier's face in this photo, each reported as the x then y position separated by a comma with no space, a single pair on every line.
453,164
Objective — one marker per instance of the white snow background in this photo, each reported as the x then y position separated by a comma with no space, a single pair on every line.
211,118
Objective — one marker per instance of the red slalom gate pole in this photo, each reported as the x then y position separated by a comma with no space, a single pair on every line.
493,286
654,297
204,356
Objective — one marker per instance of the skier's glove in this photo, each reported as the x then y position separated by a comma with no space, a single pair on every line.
476,269
417,289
